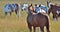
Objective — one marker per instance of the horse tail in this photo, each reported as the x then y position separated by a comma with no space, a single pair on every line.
48,19
48,22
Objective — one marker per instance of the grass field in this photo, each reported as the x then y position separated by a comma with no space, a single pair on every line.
13,24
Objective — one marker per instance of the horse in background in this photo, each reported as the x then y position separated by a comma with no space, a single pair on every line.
40,8
37,9
58,11
9,8
44,8
15,7
24,6
54,9
37,20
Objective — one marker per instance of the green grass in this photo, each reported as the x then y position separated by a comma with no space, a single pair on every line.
13,24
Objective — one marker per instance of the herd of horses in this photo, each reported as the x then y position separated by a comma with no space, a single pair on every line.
35,19
55,9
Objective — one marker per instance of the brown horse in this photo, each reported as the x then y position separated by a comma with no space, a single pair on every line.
37,20
53,8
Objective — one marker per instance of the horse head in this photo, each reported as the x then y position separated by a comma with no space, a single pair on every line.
31,9
24,7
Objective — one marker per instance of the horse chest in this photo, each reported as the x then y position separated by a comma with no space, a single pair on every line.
30,19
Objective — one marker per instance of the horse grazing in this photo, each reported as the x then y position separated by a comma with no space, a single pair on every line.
54,9
10,8
37,20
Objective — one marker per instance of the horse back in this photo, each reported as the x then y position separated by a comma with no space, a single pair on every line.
41,19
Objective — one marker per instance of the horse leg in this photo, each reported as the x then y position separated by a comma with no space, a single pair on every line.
16,12
34,29
5,13
53,17
30,27
10,13
42,29
49,11
57,17
47,27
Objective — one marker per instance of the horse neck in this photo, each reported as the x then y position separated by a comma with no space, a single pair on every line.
29,12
